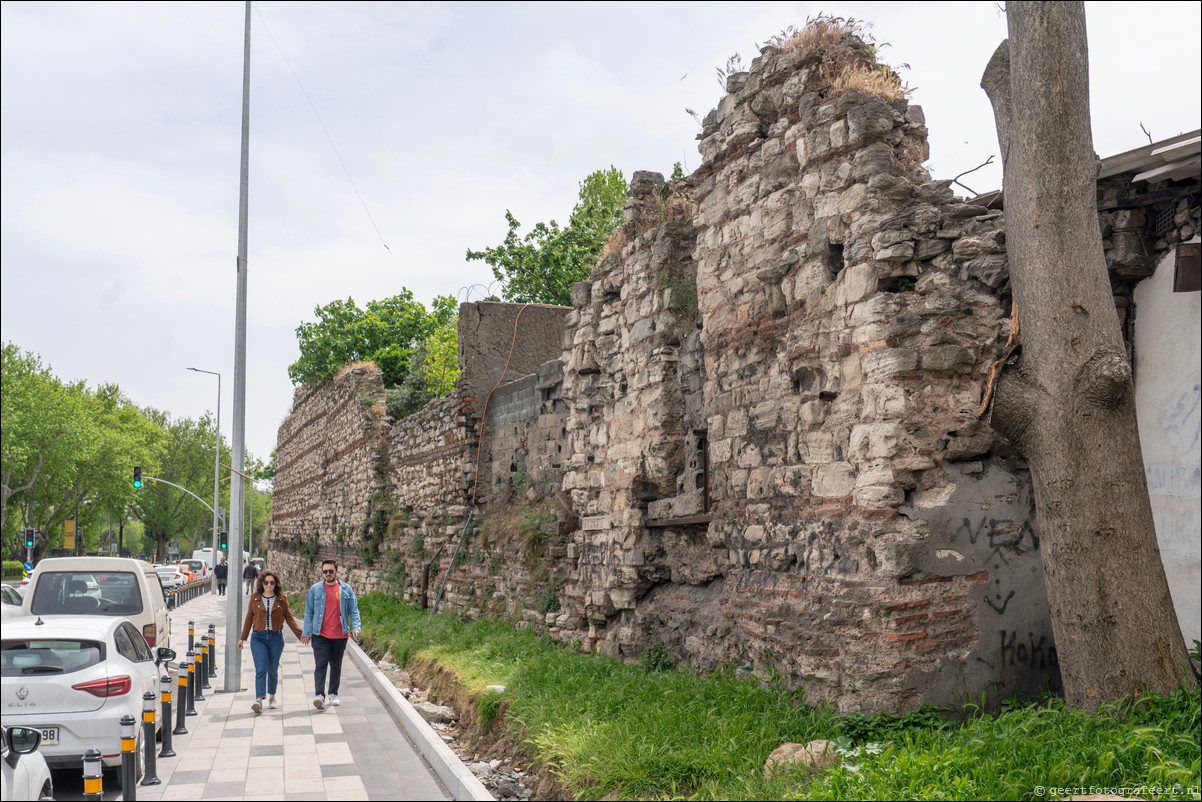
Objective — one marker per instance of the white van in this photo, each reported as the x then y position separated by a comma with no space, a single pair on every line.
109,586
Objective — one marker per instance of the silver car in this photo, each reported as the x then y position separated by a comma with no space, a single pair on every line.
23,771
72,678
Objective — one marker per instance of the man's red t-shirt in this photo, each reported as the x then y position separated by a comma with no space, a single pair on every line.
331,619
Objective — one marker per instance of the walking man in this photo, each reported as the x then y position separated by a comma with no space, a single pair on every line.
223,573
331,615
249,575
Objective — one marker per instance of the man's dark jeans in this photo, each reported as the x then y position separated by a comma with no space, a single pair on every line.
327,652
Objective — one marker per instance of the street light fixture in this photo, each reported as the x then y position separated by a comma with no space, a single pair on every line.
216,472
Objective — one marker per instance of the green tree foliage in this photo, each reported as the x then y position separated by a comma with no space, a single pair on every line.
542,266
440,365
385,332
182,453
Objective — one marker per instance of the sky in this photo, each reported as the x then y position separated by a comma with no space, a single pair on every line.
387,139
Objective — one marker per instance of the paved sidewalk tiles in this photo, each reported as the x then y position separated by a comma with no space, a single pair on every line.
296,752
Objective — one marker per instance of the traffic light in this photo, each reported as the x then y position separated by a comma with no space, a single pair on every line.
137,476
29,538
224,538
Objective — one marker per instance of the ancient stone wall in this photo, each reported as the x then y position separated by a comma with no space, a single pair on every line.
757,436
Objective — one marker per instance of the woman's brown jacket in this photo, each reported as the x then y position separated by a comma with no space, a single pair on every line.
256,616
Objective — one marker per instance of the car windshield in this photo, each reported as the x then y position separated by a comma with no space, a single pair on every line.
22,658
86,593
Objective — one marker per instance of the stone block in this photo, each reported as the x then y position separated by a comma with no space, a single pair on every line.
872,441
871,120
948,359
902,252
595,523
857,283
834,480
886,362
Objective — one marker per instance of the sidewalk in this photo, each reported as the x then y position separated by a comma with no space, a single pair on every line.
355,751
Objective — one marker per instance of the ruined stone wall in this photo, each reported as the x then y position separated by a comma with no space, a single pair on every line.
330,461
862,532
757,432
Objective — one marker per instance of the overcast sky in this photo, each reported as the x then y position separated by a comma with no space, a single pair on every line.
121,133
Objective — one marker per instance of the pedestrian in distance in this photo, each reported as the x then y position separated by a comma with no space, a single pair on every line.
223,572
249,574
331,616
266,613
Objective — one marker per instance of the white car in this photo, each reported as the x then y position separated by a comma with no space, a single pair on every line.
170,576
10,601
23,771
72,678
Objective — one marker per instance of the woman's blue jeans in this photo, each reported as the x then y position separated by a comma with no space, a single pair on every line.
266,647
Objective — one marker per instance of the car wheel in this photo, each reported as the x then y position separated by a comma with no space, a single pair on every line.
47,790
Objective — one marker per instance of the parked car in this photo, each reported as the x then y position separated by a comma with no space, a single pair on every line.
171,576
23,770
72,678
259,563
10,601
186,570
199,568
102,586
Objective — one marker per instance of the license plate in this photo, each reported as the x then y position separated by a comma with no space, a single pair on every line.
49,736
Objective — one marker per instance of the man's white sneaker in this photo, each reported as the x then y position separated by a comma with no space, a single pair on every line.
334,700
257,706
319,702
272,704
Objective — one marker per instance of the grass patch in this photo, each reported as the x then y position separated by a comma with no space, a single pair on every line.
616,731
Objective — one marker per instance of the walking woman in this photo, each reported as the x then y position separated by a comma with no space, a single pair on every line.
266,613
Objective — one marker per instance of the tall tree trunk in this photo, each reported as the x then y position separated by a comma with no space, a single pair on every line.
1068,403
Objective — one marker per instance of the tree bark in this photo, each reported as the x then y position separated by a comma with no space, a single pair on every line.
1068,403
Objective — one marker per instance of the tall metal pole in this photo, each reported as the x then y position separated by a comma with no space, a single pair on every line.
216,475
233,616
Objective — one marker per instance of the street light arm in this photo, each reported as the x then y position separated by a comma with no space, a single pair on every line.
177,487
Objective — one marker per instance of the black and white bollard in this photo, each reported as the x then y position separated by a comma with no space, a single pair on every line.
212,650
190,702
198,677
149,773
180,729
129,758
165,692
93,776
205,662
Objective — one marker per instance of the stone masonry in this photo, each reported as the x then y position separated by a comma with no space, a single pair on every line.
759,424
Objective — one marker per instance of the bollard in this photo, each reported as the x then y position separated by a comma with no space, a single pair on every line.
149,775
191,701
93,779
165,692
198,677
180,729
205,662
191,630
212,650
129,758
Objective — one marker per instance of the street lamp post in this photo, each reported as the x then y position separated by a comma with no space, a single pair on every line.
216,473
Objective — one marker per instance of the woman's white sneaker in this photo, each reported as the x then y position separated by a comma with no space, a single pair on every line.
334,700
319,702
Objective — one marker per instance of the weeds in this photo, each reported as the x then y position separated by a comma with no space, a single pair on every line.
617,731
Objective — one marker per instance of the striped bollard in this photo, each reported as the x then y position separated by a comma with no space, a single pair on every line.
165,692
206,661
191,701
198,677
150,775
191,632
180,729
129,759
212,650
93,778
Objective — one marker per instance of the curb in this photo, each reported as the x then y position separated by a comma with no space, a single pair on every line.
457,777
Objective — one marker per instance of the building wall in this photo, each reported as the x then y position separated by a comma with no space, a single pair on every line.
1167,380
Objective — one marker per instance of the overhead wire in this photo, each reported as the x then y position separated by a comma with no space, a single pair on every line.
322,123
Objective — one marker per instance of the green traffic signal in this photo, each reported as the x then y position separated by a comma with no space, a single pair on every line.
137,476
29,538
